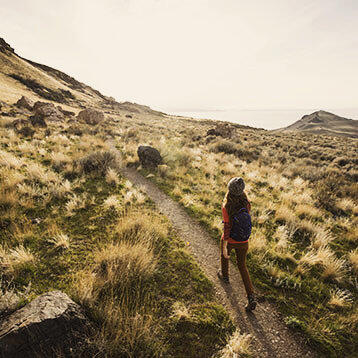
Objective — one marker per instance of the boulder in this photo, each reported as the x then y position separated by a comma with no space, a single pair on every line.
48,111
44,112
50,323
91,116
223,130
149,156
25,103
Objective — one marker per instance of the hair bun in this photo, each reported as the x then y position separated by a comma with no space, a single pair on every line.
236,186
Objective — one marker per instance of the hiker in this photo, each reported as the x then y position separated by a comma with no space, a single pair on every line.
237,229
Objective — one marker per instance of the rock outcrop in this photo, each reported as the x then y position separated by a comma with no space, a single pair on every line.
91,116
149,156
25,103
5,47
50,323
43,112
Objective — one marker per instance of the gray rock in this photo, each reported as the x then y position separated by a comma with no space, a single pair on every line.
149,156
47,111
91,116
50,323
24,102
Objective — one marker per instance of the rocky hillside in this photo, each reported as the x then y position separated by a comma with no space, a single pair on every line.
21,77
322,122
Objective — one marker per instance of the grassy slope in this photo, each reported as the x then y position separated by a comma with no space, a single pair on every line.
304,246
177,315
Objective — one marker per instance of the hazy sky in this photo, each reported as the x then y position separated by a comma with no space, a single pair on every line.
197,53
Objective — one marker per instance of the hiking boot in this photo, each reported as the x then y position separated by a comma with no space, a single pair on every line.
251,305
223,278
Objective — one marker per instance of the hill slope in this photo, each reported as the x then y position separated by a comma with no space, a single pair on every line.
19,77
322,122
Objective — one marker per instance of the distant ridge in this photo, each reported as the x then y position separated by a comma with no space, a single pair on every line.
322,122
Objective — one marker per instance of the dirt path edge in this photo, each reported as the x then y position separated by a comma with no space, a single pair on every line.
271,337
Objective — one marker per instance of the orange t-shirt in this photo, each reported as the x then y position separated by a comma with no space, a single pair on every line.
227,226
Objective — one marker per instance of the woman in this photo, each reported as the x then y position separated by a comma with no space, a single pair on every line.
235,200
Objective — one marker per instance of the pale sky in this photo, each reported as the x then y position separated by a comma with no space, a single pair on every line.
199,54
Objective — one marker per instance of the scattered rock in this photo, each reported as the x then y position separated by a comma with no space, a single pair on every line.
25,103
45,111
149,156
50,323
129,116
223,130
91,116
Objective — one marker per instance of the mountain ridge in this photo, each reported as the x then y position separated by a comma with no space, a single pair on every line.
323,122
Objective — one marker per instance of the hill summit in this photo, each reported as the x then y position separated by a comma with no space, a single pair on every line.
322,122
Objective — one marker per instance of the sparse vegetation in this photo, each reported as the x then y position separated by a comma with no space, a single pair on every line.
304,242
70,221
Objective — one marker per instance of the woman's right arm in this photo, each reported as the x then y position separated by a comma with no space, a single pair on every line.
226,224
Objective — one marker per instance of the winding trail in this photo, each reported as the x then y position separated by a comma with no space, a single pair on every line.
271,337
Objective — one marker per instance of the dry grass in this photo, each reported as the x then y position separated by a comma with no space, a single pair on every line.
17,259
112,202
239,345
353,259
112,177
340,298
75,203
181,311
60,240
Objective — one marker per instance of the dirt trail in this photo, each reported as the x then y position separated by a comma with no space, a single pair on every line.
271,337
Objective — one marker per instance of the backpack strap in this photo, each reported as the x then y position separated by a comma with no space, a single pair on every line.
243,209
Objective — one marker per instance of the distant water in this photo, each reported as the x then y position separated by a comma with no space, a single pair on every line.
267,119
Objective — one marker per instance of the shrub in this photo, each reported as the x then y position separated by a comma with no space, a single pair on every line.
224,146
99,162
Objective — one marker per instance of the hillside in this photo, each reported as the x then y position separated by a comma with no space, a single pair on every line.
22,77
322,122
71,220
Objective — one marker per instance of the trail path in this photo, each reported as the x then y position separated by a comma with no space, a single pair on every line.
271,337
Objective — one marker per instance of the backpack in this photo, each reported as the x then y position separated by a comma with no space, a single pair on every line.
241,226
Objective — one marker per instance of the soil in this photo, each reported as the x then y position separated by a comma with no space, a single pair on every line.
271,337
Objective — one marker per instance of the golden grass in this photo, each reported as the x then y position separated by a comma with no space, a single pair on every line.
353,259
60,240
340,298
14,260
181,311
112,202
239,345
112,177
